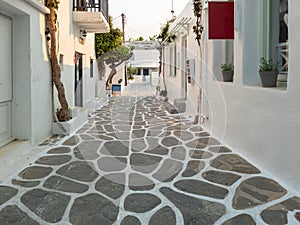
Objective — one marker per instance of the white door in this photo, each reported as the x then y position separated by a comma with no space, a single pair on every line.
5,80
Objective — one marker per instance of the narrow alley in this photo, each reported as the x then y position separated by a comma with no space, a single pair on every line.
133,163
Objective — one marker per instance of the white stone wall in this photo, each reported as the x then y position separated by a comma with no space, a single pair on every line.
32,90
260,123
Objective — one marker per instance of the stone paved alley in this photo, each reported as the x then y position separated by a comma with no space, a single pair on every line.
131,164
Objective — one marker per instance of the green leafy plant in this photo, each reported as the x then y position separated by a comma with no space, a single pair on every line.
227,67
267,65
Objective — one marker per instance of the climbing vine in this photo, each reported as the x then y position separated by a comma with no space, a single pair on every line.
198,28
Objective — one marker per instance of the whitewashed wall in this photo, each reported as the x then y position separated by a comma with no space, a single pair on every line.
262,124
32,112
32,90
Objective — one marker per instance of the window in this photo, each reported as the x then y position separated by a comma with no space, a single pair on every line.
274,39
146,72
91,68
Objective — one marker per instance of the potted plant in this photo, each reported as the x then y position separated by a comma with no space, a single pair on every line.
268,71
227,72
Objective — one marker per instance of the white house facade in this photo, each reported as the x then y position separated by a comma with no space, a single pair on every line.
260,123
26,102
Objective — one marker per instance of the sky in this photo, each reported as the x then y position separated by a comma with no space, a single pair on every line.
143,17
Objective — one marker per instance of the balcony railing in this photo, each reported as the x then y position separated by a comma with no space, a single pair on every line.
91,6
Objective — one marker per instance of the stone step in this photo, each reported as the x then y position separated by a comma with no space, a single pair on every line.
171,108
180,105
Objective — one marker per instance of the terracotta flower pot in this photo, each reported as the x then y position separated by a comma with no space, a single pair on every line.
227,76
268,78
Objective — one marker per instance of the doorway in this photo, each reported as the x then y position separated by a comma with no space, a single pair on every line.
6,86
79,80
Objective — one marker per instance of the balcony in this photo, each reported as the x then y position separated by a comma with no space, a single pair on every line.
91,15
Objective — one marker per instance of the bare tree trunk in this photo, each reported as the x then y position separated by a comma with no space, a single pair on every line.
113,67
63,113
112,73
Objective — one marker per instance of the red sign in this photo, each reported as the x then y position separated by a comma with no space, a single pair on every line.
221,20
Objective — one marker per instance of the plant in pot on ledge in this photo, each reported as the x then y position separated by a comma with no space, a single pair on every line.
268,71
227,72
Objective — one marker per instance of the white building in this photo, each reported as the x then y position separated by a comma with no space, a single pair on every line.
261,123
145,58
26,111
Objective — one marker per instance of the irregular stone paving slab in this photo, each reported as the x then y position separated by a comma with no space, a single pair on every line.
131,220
277,214
178,153
120,135
140,123
219,149
138,133
35,172
256,191
59,150
54,160
123,128
141,203
25,184
202,143
153,132
144,163
178,127
183,135
49,206
165,134
202,134
195,211
6,193
196,129
115,148
164,216
81,130
112,164
108,128
223,178
193,168
243,219
93,209
168,171
66,185
138,145
74,140
156,130
138,182
201,188
13,215
199,154
86,137
233,162
88,149
170,141
112,185
158,150
77,153
153,142
103,137
78,170
297,216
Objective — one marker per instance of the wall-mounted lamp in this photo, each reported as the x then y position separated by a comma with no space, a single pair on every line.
82,37
83,33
